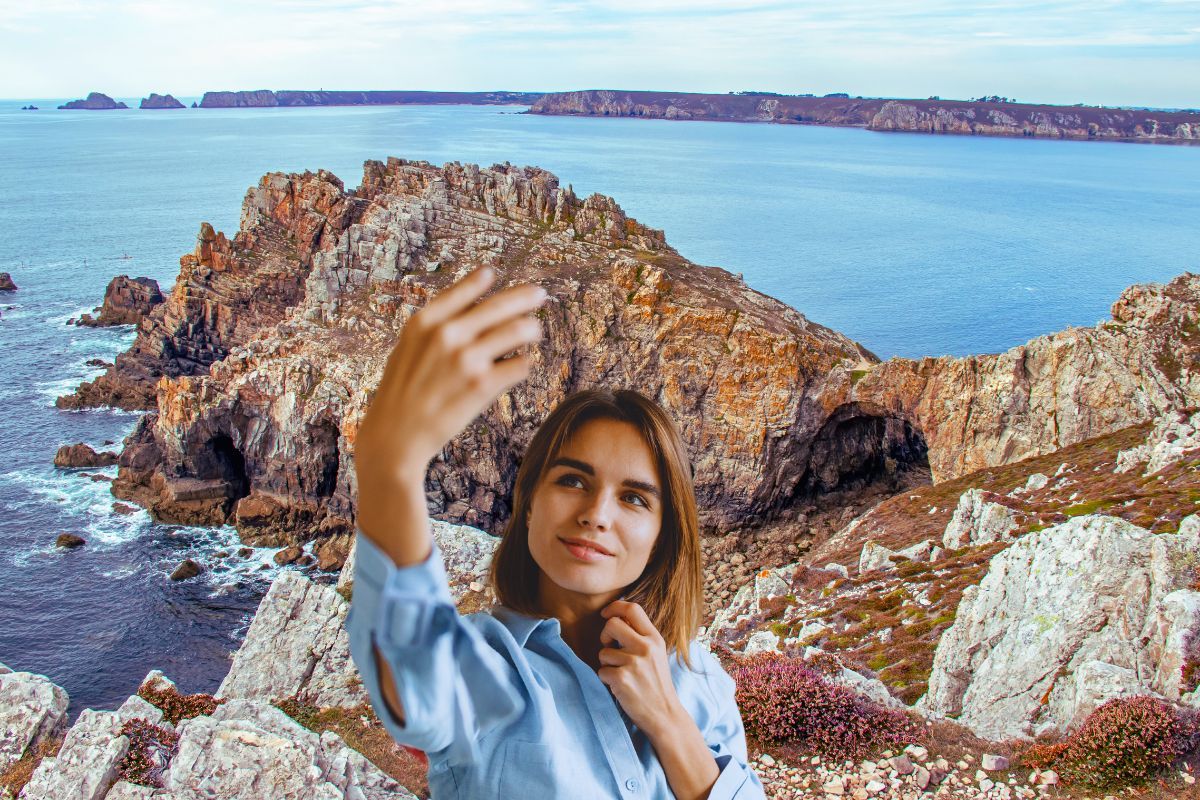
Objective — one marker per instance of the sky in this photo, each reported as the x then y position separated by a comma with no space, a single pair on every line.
1099,52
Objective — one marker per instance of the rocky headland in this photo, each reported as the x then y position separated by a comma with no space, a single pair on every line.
160,101
265,98
916,116
95,101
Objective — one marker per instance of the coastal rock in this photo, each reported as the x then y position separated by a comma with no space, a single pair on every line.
126,301
1175,434
159,101
6,283
69,541
1056,390
274,411
86,765
1018,660
186,569
32,709
95,101
296,646
252,749
75,456
978,520
875,556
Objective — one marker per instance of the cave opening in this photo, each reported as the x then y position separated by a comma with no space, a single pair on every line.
857,451
324,442
229,465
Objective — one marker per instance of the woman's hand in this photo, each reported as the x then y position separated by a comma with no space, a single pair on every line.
446,368
637,673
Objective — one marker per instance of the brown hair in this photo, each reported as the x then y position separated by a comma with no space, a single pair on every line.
670,588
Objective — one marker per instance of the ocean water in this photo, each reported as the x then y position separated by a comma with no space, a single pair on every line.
914,245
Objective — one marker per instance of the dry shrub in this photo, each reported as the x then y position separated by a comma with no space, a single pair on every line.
150,752
783,701
18,774
177,707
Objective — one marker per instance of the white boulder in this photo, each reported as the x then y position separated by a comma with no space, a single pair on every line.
977,520
1093,589
32,709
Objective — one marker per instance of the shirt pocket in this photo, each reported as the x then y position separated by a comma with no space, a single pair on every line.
526,766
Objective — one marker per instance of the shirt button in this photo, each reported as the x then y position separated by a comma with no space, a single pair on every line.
632,785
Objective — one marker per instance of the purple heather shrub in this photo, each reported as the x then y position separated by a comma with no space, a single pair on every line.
1124,742
783,701
150,751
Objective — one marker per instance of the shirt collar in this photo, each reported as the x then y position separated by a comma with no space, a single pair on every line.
522,626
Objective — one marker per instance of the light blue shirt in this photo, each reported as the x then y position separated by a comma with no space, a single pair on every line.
505,709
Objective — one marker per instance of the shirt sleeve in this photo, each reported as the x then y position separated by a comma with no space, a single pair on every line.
726,737
452,685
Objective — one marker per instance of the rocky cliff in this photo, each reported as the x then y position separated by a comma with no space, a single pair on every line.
919,116
264,98
270,345
126,302
258,98
1054,391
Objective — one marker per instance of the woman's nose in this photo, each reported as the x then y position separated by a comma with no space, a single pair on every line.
597,512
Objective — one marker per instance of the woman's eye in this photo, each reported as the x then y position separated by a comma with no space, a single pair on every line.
569,480
637,499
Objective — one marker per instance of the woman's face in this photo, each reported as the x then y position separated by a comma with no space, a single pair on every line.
596,513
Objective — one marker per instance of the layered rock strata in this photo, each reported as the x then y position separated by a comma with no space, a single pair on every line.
126,301
274,343
264,98
918,116
1067,618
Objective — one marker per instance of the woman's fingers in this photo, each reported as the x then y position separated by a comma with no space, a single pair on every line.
504,339
456,298
498,309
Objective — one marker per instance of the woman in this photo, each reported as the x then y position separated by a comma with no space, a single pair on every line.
584,681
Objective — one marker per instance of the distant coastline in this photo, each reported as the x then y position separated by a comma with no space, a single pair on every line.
985,116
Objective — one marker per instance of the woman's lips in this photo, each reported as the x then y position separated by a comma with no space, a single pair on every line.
583,552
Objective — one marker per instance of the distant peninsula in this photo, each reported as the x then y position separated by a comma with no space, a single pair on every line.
265,98
988,116
95,101
157,101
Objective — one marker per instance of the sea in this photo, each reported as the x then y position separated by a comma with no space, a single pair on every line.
914,245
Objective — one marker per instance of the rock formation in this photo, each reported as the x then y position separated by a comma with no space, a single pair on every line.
921,116
32,709
95,102
1065,619
1054,391
159,101
73,456
1175,435
260,98
321,97
126,301
6,283
274,342
978,520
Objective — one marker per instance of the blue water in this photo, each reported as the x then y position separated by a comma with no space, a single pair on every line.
913,245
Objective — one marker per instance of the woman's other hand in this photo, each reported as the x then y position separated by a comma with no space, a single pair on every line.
446,368
637,672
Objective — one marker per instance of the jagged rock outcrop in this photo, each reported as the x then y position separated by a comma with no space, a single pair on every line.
1056,390
1065,618
1175,434
74,456
978,520
975,117
32,709
6,283
263,439
160,101
126,301
96,101
296,646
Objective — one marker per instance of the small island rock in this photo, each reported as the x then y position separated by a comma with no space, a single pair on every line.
96,101
126,301
73,456
6,283
69,541
186,569
156,101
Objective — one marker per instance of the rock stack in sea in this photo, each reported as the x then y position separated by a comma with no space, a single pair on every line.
160,101
95,101
126,301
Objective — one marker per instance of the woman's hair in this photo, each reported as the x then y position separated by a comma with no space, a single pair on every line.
670,588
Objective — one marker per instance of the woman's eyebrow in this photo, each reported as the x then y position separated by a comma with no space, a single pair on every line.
587,469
